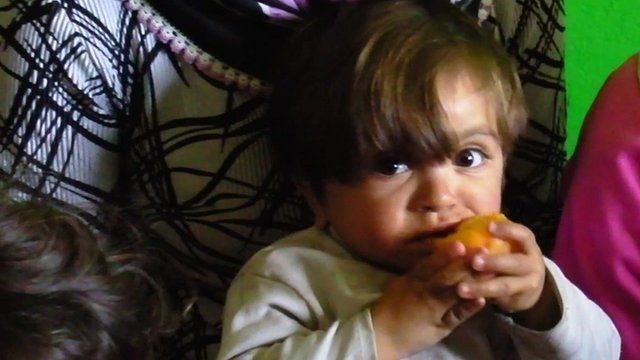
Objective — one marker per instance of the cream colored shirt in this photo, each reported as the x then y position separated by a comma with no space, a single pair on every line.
306,297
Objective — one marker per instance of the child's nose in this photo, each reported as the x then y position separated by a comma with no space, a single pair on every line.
435,191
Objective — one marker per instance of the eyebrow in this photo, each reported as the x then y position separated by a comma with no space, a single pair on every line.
477,131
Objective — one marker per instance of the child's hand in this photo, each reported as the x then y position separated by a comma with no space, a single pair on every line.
519,281
419,309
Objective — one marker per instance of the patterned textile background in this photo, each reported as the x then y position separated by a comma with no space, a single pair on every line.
96,108
533,32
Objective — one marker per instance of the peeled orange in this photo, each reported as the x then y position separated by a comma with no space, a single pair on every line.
474,234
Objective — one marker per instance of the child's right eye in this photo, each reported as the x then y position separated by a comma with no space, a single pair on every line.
391,166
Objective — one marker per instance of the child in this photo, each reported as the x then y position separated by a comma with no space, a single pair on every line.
69,293
395,118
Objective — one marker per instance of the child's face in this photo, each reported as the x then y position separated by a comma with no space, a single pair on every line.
390,217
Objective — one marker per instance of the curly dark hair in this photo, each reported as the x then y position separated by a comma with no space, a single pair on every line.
69,292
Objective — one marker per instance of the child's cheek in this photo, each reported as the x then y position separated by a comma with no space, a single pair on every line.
389,224
489,201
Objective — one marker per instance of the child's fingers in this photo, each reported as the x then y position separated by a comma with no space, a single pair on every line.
452,274
426,268
462,311
506,264
517,234
498,287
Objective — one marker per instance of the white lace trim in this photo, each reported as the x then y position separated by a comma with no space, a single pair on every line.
191,53
206,63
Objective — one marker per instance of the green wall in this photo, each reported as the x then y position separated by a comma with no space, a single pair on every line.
600,36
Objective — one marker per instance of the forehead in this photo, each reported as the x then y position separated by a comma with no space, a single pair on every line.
467,103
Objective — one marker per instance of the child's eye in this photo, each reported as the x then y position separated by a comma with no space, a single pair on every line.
470,158
389,167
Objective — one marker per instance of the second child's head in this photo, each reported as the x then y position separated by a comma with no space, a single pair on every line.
395,118
67,292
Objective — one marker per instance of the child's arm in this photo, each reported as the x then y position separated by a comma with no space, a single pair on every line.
583,332
268,319
419,309
304,297
322,308
548,316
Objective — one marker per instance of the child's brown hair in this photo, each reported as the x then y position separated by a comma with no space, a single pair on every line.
360,82
67,292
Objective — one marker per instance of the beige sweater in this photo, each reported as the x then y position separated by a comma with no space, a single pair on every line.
306,297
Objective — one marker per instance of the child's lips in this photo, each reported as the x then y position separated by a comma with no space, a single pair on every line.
435,233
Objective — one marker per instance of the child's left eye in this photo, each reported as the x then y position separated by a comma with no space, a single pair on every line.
470,158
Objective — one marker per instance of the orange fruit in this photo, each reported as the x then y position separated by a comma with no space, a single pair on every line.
474,233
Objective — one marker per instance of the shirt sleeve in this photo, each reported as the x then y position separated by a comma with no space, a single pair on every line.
583,332
267,319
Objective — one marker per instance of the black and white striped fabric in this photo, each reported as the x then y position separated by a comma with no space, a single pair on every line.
109,102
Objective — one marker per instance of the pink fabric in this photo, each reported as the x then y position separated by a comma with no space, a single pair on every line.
598,242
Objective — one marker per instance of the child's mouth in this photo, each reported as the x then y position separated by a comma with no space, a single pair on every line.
441,233
436,234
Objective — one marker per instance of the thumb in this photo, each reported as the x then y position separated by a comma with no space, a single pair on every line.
462,311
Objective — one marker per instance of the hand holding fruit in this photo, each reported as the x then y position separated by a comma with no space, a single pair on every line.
519,283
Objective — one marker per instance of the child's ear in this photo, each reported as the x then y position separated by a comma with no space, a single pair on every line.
320,219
